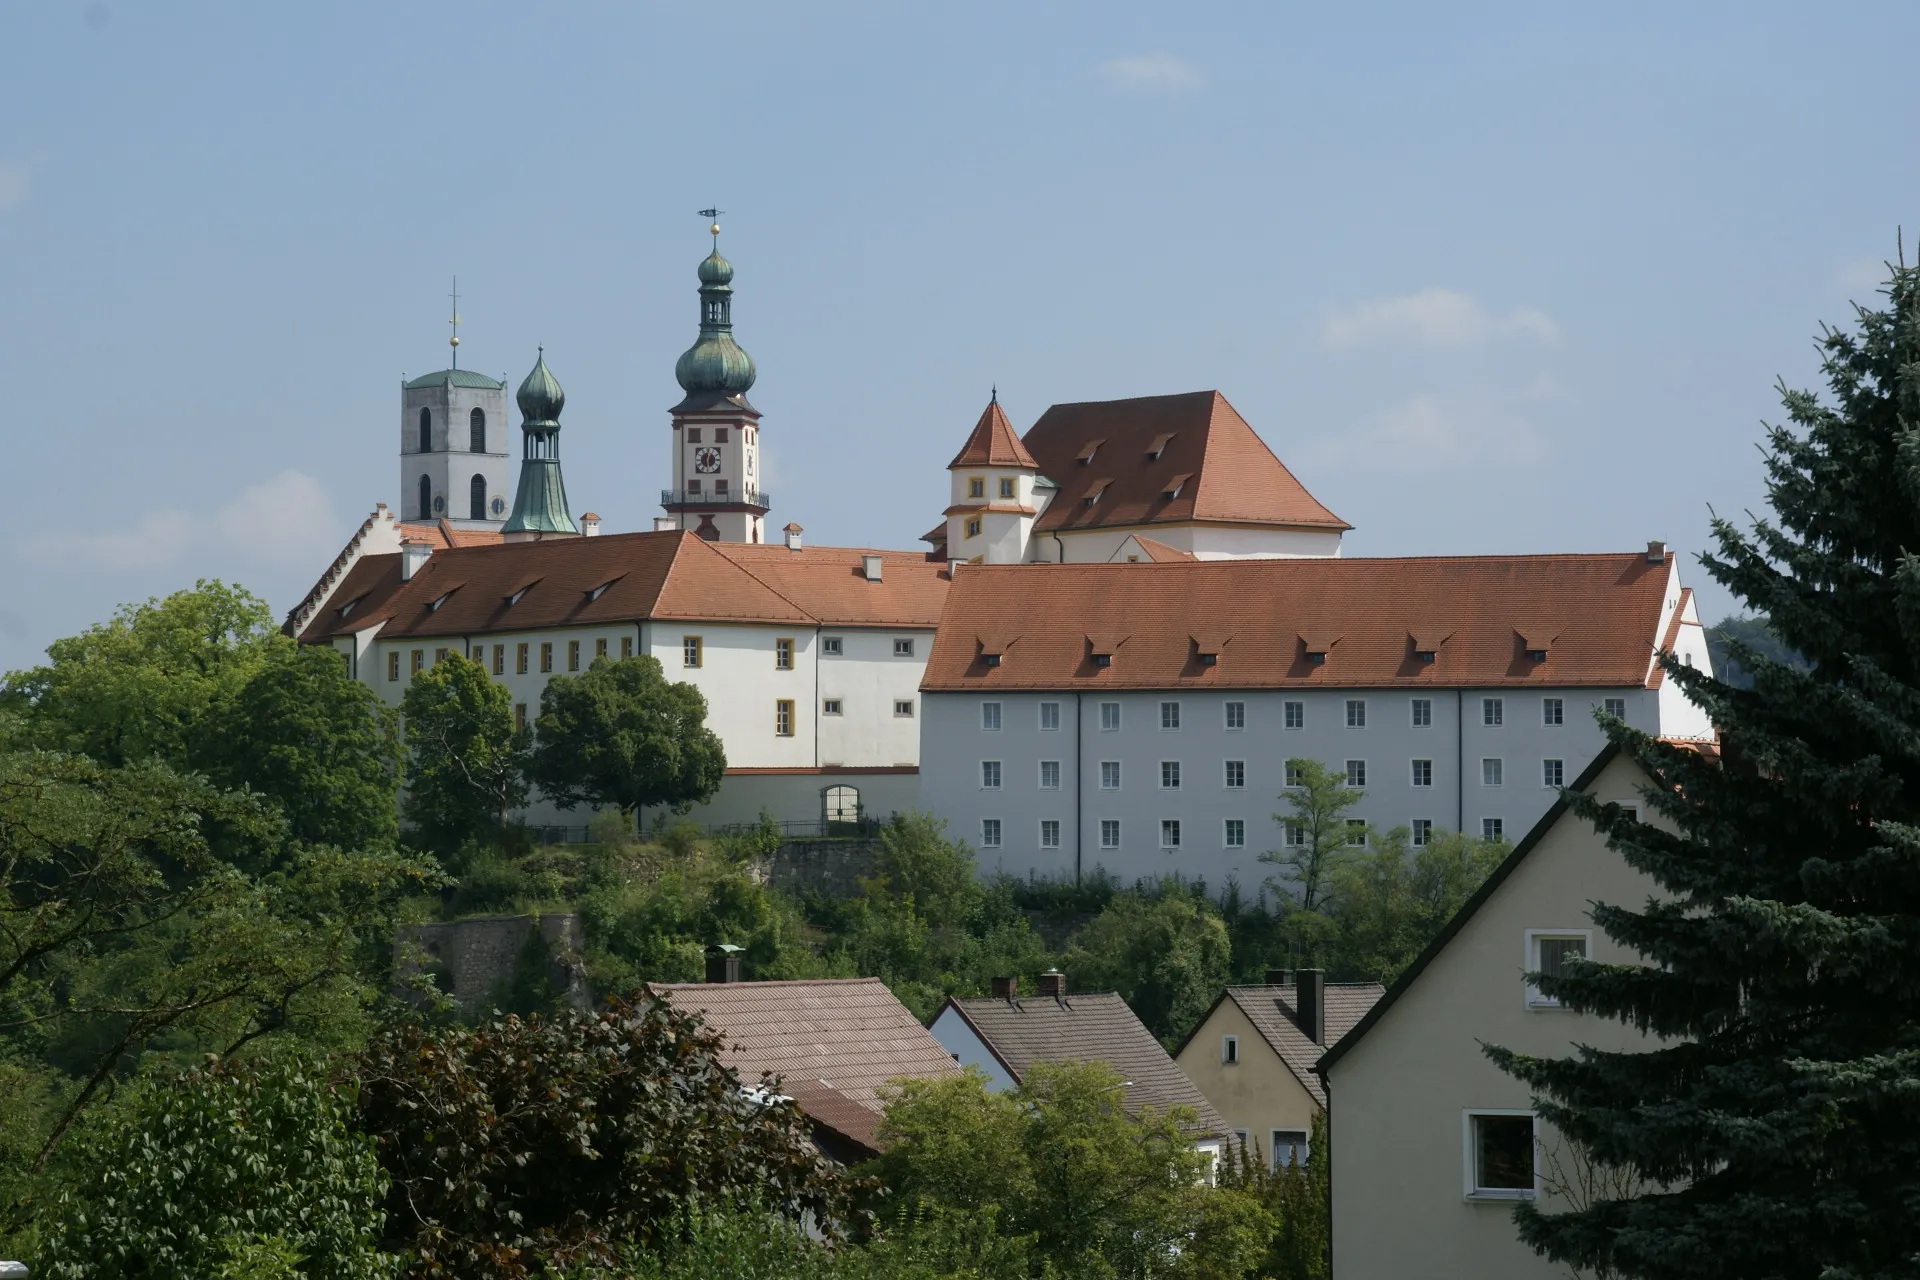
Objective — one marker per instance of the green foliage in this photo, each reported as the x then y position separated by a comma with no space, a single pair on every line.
235,1170
555,1141
1729,636
1167,955
466,763
621,734
1390,901
1317,805
1297,1198
1769,1130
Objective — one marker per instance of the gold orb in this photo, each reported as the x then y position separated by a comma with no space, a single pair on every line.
715,230
453,342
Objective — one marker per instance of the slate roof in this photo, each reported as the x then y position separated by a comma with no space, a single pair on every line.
1088,1027
993,443
1273,1010
1597,616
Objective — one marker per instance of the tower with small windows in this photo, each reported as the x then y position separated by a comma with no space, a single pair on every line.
540,501
997,492
453,447
716,490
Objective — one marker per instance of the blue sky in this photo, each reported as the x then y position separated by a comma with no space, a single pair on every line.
1487,278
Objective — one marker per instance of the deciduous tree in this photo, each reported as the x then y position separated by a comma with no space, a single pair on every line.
621,734
1316,833
466,763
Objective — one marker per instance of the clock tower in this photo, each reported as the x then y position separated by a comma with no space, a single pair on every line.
716,433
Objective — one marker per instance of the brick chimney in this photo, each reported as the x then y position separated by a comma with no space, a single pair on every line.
723,963
1006,988
1054,983
1309,994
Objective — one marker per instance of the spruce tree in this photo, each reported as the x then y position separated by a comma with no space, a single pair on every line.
1774,1129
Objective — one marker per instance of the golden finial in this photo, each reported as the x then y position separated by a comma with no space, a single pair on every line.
712,215
454,340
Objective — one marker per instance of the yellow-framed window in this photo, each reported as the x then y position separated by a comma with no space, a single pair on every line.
783,654
440,656
690,651
520,658
519,715
626,646
976,486
573,655
1006,487
393,664
499,659
973,527
600,647
546,655
416,661
783,718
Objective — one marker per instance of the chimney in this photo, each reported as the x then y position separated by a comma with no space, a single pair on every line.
793,532
870,567
1279,977
664,524
590,525
723,963
1006,989
1656,551
413,554
1307,997
1054,983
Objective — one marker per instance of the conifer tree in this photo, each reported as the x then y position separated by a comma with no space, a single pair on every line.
1774,1130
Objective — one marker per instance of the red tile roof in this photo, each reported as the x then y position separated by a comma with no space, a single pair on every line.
993,444
1267,616
1272,1011
1134,449
441,535
1158,552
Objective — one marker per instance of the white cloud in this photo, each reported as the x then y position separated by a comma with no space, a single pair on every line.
1153,73
1448,432
285,520
14,186
1434,318
282,520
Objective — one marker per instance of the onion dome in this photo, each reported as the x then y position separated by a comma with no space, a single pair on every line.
715,269
715,363
540,397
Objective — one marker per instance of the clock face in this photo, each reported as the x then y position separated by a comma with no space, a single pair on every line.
706,461
499,505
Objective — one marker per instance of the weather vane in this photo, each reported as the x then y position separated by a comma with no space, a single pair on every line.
714,230
454,340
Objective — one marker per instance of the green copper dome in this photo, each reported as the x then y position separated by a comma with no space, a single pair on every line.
540,501
715,269
458,378
715,364
540,397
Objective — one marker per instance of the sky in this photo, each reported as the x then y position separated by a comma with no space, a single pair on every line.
1487,278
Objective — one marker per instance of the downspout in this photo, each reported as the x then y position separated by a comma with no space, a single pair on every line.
1061,547
816,703
1079,792
1460,761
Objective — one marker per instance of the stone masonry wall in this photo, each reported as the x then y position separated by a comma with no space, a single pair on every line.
476,957
829,867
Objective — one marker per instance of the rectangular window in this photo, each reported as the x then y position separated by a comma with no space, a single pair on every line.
1553,711
519,715
1423,713
1006,487
1296,836
1230,1050
693,435
499,659
393,664
783,654
903,707
573,655
439,656
1548,951
1492,771
691,651
546,655
1049,775
1493,829
1109,717
1616,707
1356,773
1169,775
830,707
1236,774
903,646
520,658
1422,832
830,646
989,833
1049,717
783,718
1296,715
1169,833
1422,773
973,527
990,717
1493,711
1356,831
1500,1155
600,647
1049,833
977,487
989,775
416,661
1553,773
720,488
1289,1147
719,435
693,485
1356,713
1169,715
1236,715
1109,833
1296,775
1109,775
626,646
1236,833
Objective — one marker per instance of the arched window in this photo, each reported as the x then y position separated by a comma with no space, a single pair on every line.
477,432
426,497
477,496
426,431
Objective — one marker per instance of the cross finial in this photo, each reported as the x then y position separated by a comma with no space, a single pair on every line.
996,393
711,215
454,340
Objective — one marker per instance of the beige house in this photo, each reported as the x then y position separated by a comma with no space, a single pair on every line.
1432,1145
1253,1055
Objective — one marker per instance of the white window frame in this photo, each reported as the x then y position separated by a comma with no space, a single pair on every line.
1415,772
1044,824
1356,827
991,769
1469,1179
1294,835
1498,773
903,708
1233,775
1174,823
1530,959
1303,1146
1422,836
1234,716
1552,765
1106,727
990,717
830,707
1493,713
1357,776
1356,713
1045,709
1116,775
1487,833
1105,823
1292,776
1170,769
1416,706
1227,833
903,646
1170,715
990,833
1553,712
1229,1051
1607,705
1292,711
1044,784
829,646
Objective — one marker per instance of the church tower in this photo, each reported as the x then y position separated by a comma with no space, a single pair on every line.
453,446
716,433
540,503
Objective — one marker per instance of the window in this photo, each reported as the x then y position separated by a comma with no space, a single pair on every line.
393,664
1109,775
626,646
1493,711
973,527
693,435
519,715
1553,773
520,658
1493,829
499,659
783,654
1553,711
989,833
1049,775
1356,773
830,706
1230,1050
415,661
783,718
1423,713
1006,488
1169,715
1049,717
1236,833
1236,715
1242,1137
1109,833
439,656
426,496
1548,951
1296,774
1357,831
1499,1154
1296,836
1296,715
1109,717
546,655
477,434
1169,833
426,433
1616,707
1169,775
1423,773
719,435
990,717
1289,1146
477,496
903,647
600,647
1050,833
1236,774
977,487
903,707
693,485
830,646
1422,832
720,488
1356,713
573,655
690,648
1492,771
989,775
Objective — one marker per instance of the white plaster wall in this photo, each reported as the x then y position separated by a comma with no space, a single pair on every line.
796,797
1003,535
1207,542
1679,716
868,679
451,466
741,684
958,1039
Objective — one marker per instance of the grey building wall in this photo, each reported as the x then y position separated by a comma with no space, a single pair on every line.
451,465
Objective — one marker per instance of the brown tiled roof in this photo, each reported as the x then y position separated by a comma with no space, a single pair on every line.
1158,552
830,584
441,535
1272,1011
993,444
1234,477
1094,1027
1272,613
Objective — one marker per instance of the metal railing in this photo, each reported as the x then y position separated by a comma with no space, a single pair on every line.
702,498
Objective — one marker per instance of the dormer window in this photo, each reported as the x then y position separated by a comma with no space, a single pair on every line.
513,597
601,590
441,599
1536,655
1209,659
1424,656
1085,455
1207,647
1159,445
1175,485
1536,641
989,659
1316,645
1099,487
1102,659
